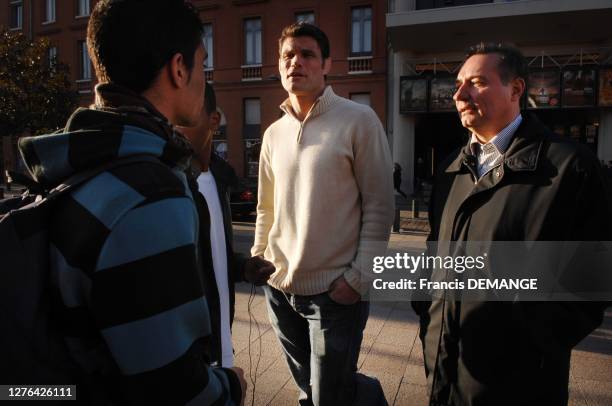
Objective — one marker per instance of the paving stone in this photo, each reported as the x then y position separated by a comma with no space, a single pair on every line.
288,395
416,355
374,326
575,398
415,375
381,310
402,324
366,346
596,369
598,342
390,384
242,361
405,315
280,365
384,357
411,395
267,386
596,393
403,338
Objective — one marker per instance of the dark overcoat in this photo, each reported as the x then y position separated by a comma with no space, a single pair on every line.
225,178
547,188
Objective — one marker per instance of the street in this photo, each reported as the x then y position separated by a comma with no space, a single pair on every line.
391,350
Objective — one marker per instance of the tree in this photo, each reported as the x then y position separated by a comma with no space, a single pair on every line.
35,93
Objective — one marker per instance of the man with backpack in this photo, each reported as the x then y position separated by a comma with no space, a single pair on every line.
125,285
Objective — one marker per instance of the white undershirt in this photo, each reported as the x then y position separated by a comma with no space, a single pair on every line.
208,188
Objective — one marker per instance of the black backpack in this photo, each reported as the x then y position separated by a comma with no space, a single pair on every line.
32,348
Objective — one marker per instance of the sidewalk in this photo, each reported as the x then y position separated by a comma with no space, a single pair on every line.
391,349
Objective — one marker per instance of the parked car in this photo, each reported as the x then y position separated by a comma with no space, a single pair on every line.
243,198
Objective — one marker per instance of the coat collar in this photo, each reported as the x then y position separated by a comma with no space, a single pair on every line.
222,171
523,153
323,104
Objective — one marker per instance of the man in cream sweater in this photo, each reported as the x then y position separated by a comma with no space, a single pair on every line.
325,208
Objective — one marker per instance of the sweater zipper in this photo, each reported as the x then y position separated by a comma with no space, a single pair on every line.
303,122
299,138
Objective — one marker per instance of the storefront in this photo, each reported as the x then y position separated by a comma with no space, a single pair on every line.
569,99
569,86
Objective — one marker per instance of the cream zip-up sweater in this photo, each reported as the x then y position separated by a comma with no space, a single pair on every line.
326,202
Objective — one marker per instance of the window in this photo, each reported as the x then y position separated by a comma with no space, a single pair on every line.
49,11
361,98
82,8
361,31
84,62
16,14
207,39
305,17
52,57
251,134
252,41
252,118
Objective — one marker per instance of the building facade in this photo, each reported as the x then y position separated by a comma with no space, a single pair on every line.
242,41
568,46
64,23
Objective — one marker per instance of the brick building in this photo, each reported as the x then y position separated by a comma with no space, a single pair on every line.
241,37
65,24
244,66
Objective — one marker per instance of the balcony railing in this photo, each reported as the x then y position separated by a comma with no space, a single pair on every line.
208,74
84,86
251,72
359,65
429,4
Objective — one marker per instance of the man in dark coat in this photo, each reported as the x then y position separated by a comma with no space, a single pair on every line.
214,177
513,181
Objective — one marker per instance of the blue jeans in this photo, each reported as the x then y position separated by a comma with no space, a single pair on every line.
321,341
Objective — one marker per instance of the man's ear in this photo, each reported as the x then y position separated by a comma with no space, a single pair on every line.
178,72
327,63
518,88
214,120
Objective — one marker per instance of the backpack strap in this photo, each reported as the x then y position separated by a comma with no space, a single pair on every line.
81,177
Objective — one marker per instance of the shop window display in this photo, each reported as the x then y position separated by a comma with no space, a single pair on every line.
579,87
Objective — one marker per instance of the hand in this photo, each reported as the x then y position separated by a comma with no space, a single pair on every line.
341,292
243,383
257,270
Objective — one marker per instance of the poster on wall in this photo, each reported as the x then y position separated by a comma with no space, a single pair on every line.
413,94
605,87
543,89
578,87
441,94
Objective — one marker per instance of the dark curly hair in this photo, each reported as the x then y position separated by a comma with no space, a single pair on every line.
129,41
